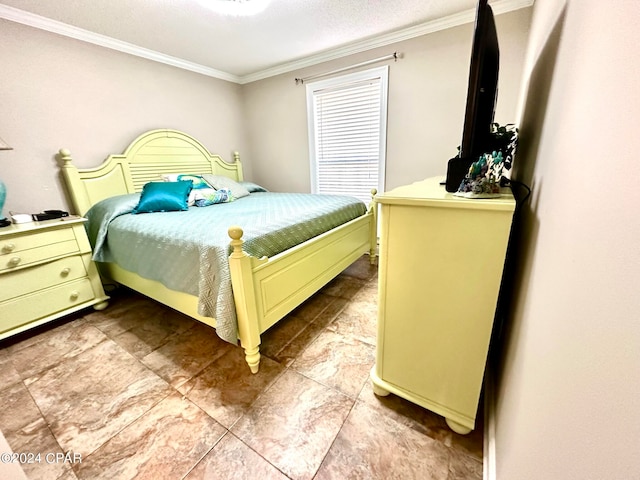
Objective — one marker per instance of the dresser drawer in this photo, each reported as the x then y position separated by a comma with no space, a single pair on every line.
28,280
21,258
17,243
31,307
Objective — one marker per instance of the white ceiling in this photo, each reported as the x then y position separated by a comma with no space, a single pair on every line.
287,34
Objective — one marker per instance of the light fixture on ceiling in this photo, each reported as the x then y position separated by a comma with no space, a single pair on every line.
236,8
3,191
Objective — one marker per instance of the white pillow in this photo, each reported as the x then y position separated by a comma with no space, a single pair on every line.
220,181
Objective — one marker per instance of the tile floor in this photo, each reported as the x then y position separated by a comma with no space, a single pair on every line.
141,391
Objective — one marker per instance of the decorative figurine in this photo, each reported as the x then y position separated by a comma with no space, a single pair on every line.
483,178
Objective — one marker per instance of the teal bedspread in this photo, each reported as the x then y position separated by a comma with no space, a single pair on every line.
188,251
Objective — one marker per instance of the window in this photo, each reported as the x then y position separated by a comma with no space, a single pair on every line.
347,133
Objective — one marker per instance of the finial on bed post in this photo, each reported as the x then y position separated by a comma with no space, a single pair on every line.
65,156
236,157
374,192
236,233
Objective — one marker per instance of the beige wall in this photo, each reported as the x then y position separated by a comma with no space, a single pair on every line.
567,398
57,92
427,94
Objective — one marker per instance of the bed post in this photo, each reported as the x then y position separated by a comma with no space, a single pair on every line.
75,187
236,161
245,299
373,209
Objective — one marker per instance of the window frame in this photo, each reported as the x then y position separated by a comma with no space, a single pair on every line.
382,73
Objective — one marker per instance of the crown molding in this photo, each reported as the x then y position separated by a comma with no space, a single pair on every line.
468,16
60,28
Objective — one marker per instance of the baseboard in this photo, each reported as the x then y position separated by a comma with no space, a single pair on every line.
489,437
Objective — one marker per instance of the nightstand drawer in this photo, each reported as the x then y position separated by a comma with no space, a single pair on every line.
20,258
45,302
51,274
17,243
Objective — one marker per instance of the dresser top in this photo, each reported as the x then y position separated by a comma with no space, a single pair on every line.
430,192
18,228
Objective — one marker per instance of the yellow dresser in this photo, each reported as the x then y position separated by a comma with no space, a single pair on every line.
440,267
45,272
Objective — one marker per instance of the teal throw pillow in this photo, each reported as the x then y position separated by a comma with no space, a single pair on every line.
198,181
164,197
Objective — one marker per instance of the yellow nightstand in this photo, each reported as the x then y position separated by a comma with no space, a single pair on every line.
45,272
440,267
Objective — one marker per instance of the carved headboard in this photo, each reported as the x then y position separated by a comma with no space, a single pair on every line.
146,159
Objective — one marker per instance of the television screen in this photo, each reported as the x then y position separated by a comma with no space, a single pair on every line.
482,93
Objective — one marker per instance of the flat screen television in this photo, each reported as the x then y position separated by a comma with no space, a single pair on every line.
482,93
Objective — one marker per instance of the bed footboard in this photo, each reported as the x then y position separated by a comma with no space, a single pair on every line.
265,290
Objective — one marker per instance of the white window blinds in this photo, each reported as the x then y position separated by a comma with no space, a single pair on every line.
347,133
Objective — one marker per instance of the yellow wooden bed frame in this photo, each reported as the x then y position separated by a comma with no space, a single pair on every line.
264,289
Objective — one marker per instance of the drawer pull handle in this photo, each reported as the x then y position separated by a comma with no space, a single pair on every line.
14,261
74,295
65,272
8,248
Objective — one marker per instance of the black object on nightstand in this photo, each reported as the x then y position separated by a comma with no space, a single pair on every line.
50,215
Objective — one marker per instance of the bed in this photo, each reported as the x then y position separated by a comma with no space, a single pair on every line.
263,288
